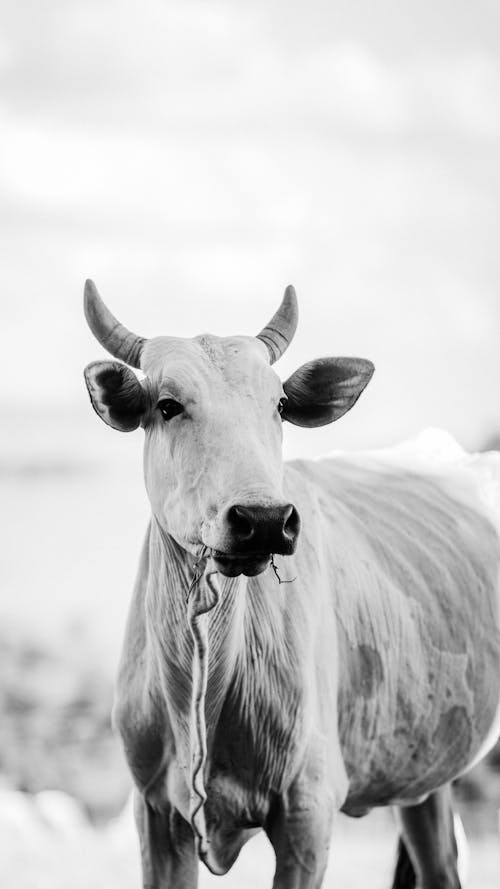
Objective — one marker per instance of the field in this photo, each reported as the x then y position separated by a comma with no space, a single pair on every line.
48,844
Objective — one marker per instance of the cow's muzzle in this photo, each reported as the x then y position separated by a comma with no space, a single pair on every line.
236,564
249,534
256,529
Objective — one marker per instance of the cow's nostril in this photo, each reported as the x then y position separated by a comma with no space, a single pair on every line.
240,521
291,525
264,529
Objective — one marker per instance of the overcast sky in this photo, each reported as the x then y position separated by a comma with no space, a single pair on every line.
194,158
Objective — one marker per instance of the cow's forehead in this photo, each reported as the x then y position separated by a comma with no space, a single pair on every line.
207,359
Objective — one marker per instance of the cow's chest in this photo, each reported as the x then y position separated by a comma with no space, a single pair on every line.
259,740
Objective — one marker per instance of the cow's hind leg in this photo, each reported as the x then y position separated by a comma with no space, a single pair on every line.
427,851
168,854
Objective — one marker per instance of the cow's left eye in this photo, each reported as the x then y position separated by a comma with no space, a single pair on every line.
169,408
281,404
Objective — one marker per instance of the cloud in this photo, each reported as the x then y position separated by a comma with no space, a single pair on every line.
194,158
213,68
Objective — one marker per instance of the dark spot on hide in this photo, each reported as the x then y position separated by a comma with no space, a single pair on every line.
361,675
406,720
365,671
453,733
380,789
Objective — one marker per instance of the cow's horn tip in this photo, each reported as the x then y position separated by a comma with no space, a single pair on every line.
90,295
291,296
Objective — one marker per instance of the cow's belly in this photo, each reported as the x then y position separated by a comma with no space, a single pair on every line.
404,735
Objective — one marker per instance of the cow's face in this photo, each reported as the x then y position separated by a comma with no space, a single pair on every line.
212,411
212,456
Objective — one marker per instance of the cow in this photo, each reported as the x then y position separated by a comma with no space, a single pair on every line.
304,638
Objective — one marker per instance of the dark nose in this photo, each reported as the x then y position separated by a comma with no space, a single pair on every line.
264,529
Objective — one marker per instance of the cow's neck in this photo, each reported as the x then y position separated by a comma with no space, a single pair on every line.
171,573
257,658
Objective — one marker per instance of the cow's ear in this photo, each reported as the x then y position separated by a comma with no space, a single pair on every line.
321,391
116,394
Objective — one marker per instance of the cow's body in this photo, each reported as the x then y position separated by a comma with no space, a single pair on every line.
373,678
370,677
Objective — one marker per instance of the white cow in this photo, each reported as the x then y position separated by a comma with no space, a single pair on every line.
371,677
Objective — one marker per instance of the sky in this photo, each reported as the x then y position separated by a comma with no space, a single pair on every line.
195,158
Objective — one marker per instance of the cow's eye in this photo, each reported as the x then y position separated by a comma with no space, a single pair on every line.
169,408
281,404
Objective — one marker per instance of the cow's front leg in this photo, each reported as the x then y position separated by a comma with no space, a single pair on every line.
300,829
166,840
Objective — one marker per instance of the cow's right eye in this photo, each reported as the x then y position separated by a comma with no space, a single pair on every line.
169,408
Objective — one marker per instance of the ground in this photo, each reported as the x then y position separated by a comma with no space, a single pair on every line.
47,843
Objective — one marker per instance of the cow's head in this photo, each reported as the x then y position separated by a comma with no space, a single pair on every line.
212,411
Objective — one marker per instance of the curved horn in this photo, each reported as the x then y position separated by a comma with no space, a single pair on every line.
278,334
119,341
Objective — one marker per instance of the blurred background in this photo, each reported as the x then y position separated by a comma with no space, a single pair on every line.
194,158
